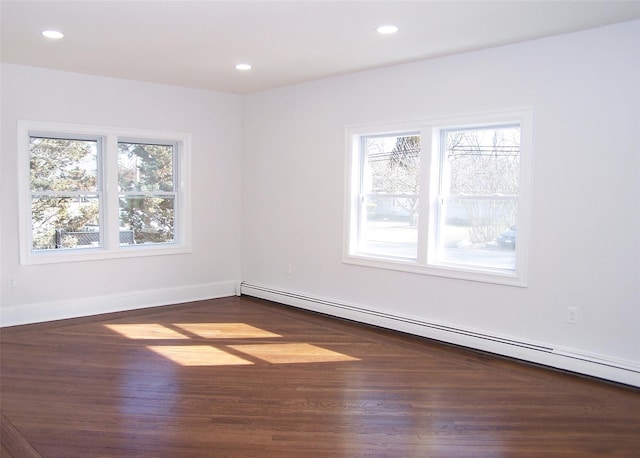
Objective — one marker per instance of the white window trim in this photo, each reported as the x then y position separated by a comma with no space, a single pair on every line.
111,247
428,202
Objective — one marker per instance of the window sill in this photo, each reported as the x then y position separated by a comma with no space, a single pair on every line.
97,254
483,275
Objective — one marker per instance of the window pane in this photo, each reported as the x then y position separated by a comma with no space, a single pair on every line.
482,161
392,164
63,165
150,218
387,229
479,232
65,222
390,186
479,189
145,167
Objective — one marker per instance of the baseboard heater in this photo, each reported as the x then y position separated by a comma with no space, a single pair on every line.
622,371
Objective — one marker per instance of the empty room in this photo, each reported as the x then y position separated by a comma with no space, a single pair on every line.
319,228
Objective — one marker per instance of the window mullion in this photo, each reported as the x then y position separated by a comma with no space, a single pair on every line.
424,197
434,202
110,221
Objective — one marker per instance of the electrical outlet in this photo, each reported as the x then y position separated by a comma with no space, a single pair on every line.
572,315
13,282
288,271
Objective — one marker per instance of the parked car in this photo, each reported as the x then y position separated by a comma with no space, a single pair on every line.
508,238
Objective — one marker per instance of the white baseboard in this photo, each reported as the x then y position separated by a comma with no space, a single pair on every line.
574,360
59,310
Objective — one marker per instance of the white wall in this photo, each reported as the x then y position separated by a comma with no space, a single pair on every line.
585,95
285,192
70,289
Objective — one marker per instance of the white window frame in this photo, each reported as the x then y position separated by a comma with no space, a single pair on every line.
426,262
109,137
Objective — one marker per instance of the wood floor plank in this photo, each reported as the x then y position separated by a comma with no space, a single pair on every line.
4,453
14,443
245,377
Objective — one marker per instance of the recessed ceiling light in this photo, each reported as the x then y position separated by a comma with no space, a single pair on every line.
53,34
387,29
243,67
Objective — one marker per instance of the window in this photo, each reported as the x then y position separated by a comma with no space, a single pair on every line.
147,184
65,191
443,197
94,193
389,189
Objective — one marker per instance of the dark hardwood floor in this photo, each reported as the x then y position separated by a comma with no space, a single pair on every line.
248,378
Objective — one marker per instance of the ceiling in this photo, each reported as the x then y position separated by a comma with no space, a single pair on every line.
197,43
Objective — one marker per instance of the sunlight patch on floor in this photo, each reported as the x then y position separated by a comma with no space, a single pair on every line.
225,355
146,331
199,355
226,330
287,353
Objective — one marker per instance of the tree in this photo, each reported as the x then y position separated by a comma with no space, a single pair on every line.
145,179
65,199
64,178
484,163
396,173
